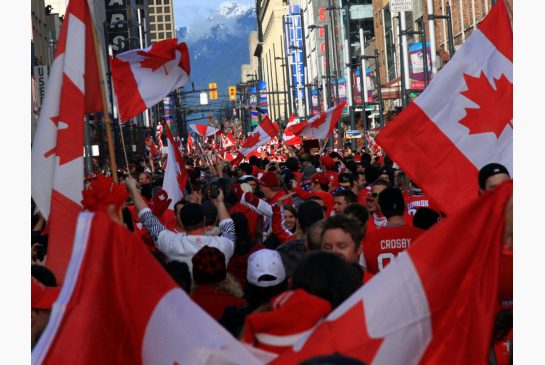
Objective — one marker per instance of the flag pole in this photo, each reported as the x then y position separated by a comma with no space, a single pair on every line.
123,145
107,122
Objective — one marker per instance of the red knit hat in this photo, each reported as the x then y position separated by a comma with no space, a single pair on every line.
103,192
209,266
270,180
293,313
328,162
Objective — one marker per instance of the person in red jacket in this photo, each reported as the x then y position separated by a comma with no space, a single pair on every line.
376,219
329,169
383,245
214,289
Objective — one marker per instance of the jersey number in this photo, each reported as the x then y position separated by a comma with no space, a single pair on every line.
384,256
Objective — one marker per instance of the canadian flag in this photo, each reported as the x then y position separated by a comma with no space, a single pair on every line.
264,132
321,125
203,130
151,145
73,89
143,77
463,120
189,142
130,311
227,140
176,175
433,304
288,136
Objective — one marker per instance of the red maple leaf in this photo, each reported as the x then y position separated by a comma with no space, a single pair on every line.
159,55
495,109
69,144
252,140
318,122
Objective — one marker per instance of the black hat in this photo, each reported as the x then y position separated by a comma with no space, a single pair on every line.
191,215
309,212
490,170
333,359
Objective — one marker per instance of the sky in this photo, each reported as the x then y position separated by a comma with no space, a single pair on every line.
193,12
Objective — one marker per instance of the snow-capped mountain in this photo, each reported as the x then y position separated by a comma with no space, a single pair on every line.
218,45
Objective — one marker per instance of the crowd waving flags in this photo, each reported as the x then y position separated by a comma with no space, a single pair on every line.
266,244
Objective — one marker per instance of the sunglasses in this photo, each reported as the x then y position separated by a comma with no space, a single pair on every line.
374,195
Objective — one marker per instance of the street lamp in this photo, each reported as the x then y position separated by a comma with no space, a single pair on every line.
328,69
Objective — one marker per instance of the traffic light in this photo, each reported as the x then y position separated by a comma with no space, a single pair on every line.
232,93
213,90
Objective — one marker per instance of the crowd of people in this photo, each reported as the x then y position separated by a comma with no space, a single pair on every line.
269,247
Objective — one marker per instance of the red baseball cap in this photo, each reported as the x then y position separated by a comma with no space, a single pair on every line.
43,296
320,178
270,180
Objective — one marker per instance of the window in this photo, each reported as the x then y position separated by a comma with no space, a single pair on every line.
152,27
389,44
160,27
166,2
158,2
167,18
167,26
159,18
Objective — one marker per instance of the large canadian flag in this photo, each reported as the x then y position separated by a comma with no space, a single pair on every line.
463,120
288,136
321,125
263,133
143,77
434,304
204,130
73,89
119,306
176,175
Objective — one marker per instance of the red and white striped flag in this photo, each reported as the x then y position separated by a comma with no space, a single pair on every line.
73,89
463,120
320,126
432,304
288,136
227,140
264,132
159,135
130,311
143,77
203,130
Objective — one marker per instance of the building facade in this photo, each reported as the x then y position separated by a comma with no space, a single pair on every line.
161,20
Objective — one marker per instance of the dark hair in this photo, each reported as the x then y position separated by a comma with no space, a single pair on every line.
346,223
381,182
127,219
391,202
43,275
351,165
179,271
246,168
358,211
425,217
327,276
371,174
256,296
292,163
348,195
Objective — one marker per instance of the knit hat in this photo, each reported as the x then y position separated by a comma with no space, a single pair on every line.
270,180
43,297
191,214
490,170
208,266
265,262
328,162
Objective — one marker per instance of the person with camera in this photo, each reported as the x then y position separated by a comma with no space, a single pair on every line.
183,246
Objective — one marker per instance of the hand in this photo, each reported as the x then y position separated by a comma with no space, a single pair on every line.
131,184
293,184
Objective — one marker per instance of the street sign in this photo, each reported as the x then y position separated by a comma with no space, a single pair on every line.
401,5
352,134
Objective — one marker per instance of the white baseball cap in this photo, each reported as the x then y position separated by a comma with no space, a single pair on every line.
265,262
